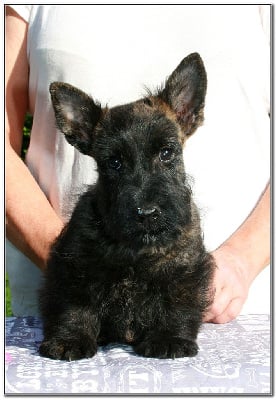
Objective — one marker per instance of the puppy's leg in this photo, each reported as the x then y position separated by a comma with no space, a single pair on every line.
70,337
173,340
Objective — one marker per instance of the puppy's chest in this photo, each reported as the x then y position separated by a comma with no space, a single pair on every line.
125,308
122,297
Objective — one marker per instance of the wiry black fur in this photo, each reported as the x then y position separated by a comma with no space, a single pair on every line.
130,266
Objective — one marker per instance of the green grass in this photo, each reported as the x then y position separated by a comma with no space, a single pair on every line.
8,298
26,134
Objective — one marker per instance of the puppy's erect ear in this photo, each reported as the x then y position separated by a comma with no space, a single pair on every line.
76,114
185,91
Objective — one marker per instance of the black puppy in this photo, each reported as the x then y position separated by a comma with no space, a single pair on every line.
130,266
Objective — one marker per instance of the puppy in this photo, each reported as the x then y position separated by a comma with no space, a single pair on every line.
130,266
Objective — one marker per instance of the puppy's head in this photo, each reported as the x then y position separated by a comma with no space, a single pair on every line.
143,198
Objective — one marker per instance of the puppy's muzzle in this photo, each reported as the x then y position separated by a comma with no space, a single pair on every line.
148,215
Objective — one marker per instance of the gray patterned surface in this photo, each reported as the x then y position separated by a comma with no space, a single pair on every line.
233,358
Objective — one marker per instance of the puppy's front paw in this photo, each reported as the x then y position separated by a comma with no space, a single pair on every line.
58,349
161,347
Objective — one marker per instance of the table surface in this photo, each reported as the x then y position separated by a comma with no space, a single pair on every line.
234,358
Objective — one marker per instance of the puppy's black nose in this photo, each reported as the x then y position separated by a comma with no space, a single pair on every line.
150,213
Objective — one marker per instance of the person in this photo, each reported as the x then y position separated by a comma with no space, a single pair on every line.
110,52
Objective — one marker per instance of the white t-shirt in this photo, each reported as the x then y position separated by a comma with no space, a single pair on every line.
111,52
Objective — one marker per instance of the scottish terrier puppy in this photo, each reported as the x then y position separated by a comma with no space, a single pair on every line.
130,266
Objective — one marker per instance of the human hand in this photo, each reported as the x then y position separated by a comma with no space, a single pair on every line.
231,283
239,260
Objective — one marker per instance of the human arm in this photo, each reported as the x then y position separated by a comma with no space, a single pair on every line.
31,222
239,260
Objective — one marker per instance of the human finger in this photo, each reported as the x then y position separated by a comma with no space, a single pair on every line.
230,313
219,305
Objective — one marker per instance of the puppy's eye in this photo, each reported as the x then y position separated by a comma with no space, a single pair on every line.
166,154
115,163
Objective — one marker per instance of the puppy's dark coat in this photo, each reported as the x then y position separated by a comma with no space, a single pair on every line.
130,266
